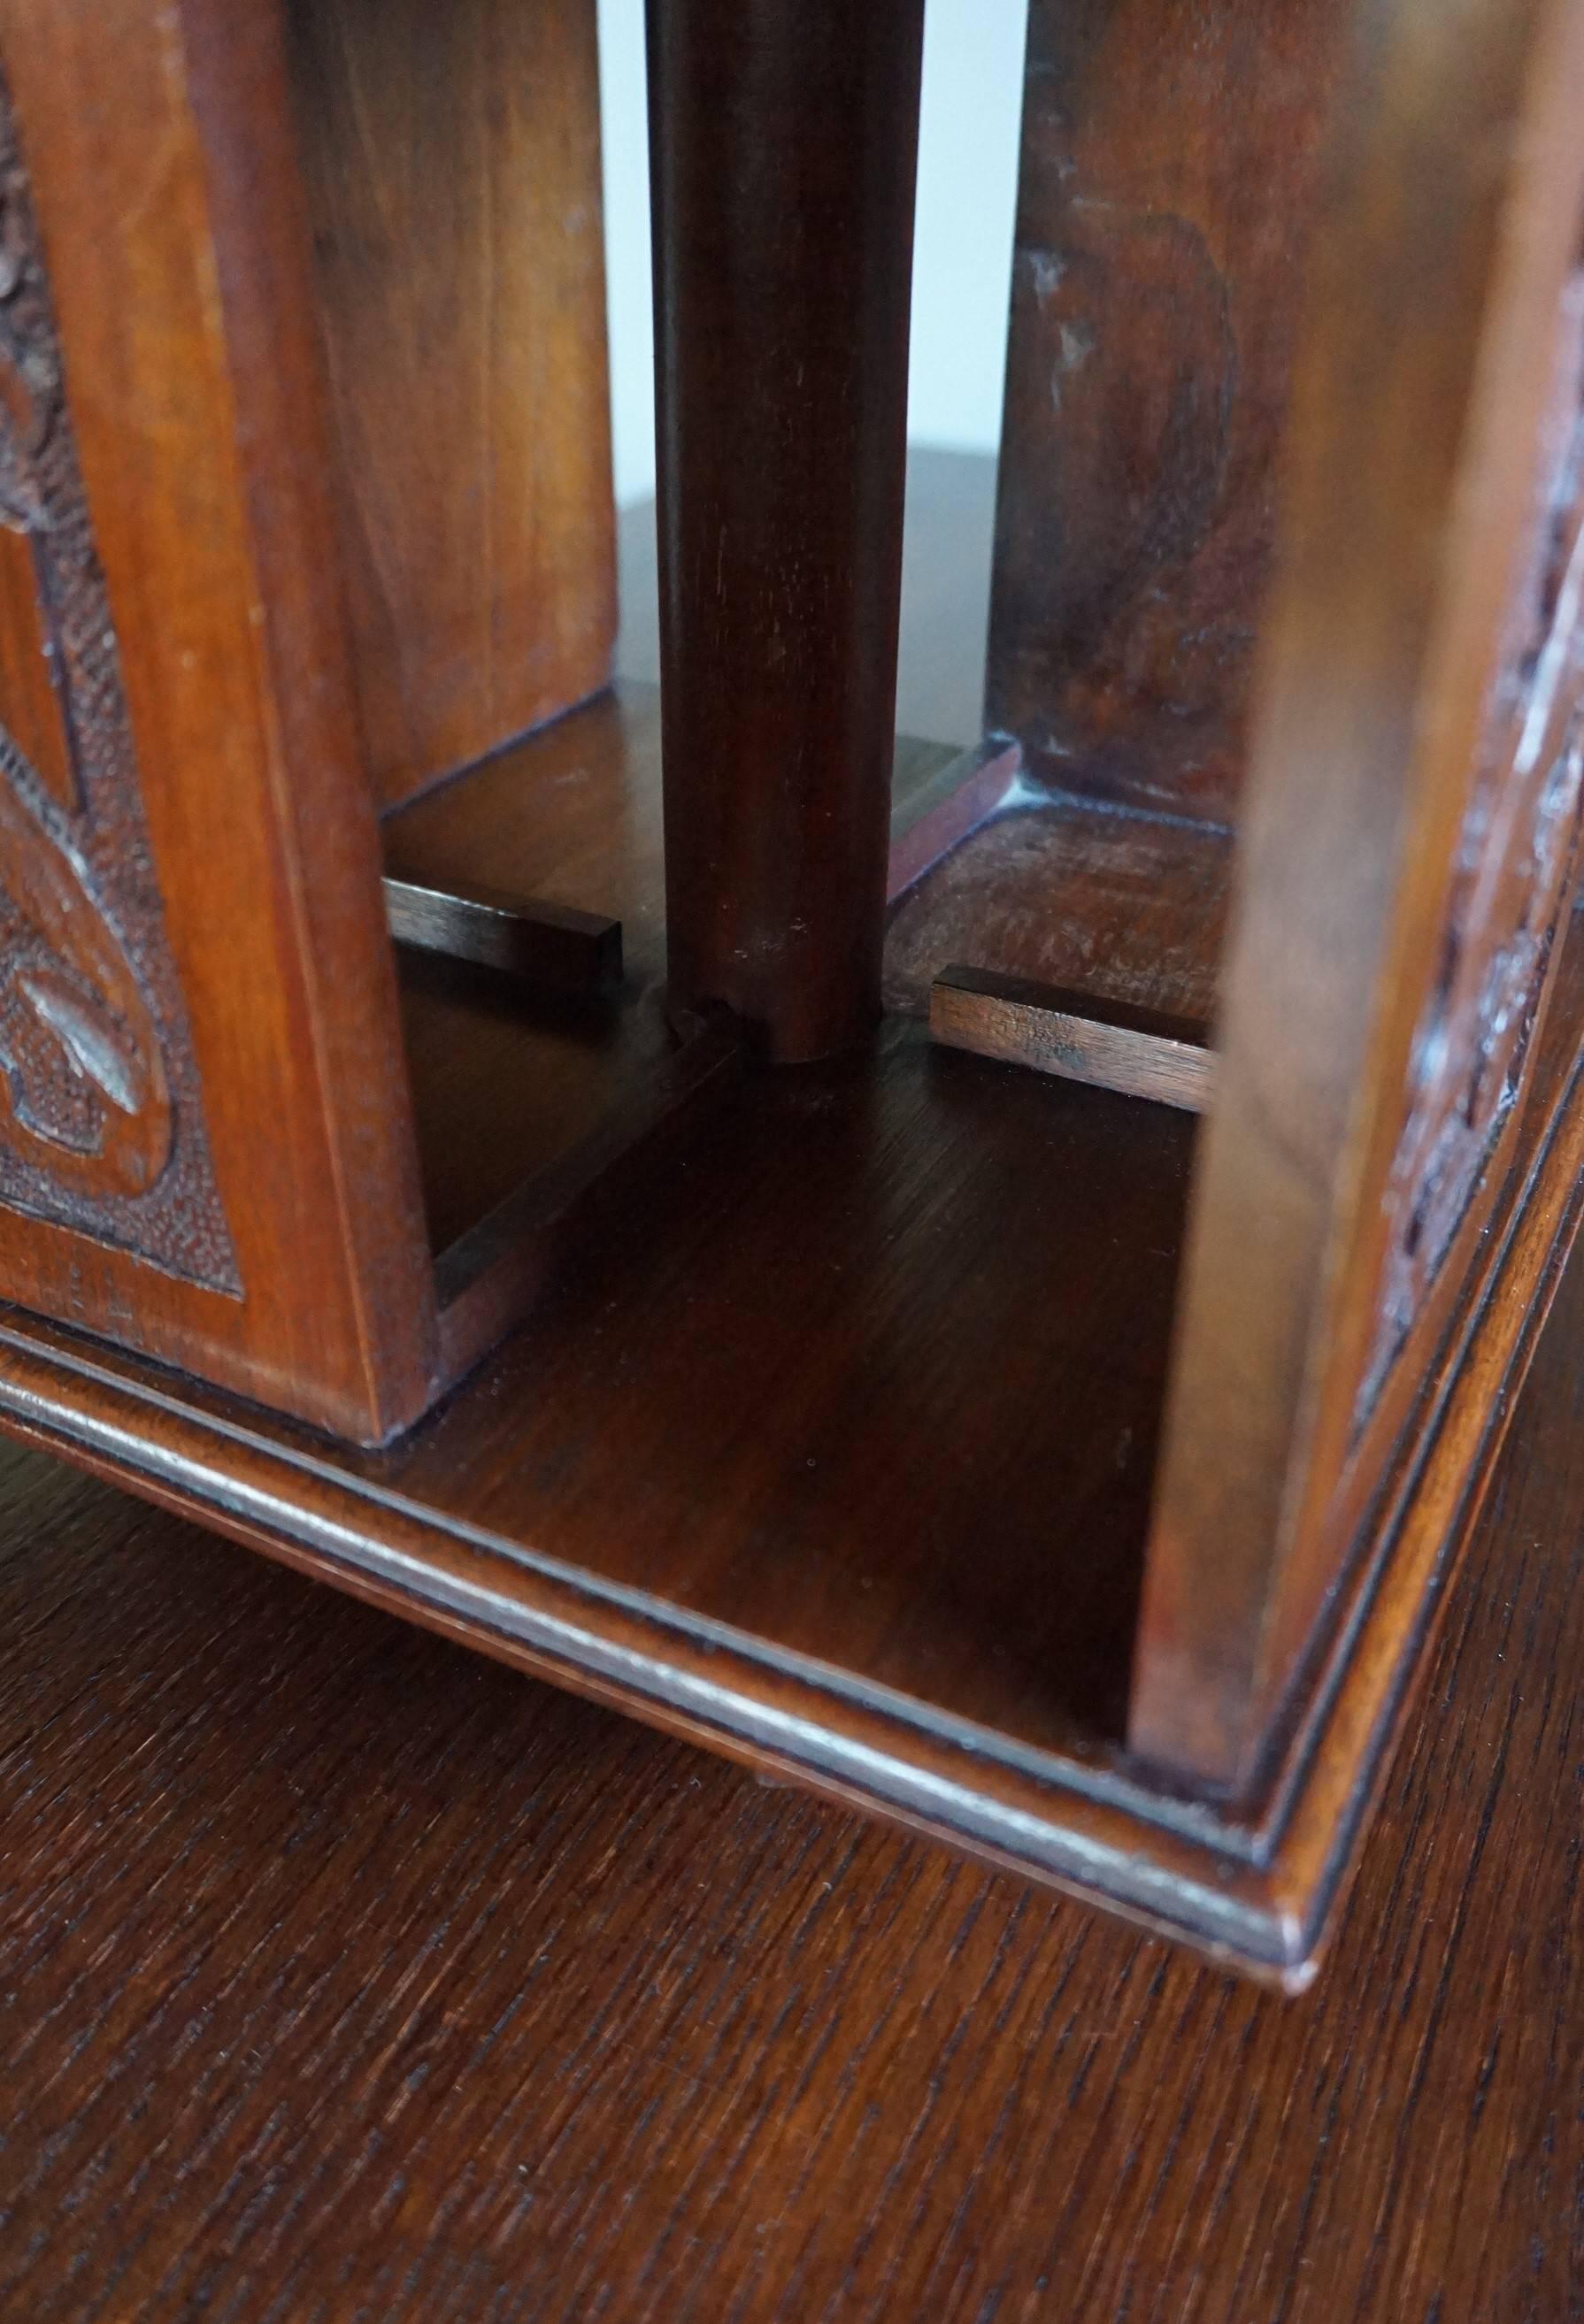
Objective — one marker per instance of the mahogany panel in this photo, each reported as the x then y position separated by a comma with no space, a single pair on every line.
1428,369
782,145
1515,854
225,802
102,1123
1167,189
451,158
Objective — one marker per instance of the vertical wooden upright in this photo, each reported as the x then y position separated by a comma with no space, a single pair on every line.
1410,816
206,1138
784,137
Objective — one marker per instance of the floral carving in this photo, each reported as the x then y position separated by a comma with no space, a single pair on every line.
100,1122
1511,884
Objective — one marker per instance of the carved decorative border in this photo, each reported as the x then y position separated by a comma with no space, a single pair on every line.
101,1121
1510,890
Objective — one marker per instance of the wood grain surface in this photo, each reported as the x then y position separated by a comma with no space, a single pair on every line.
345,1975
1155,303
1050,1031
170,218
450,163
903,1593
1127,908
571,817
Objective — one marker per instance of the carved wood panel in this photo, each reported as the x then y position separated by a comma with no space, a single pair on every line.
101,1124
1510,889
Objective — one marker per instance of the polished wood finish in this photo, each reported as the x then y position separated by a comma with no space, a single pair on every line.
104,1129
782,142
169,225
344,1973
35,685
1423,471
1167,190
209,1149
498,1267
451,163
1137,1052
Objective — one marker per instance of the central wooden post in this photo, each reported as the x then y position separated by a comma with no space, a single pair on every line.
784,136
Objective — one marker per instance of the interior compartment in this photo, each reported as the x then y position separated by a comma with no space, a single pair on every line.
996,1254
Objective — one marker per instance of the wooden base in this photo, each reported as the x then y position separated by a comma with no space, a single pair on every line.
733,1478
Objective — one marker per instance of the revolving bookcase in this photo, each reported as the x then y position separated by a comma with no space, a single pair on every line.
988,1283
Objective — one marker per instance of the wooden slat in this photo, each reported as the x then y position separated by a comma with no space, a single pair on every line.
549,945
1075,1035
